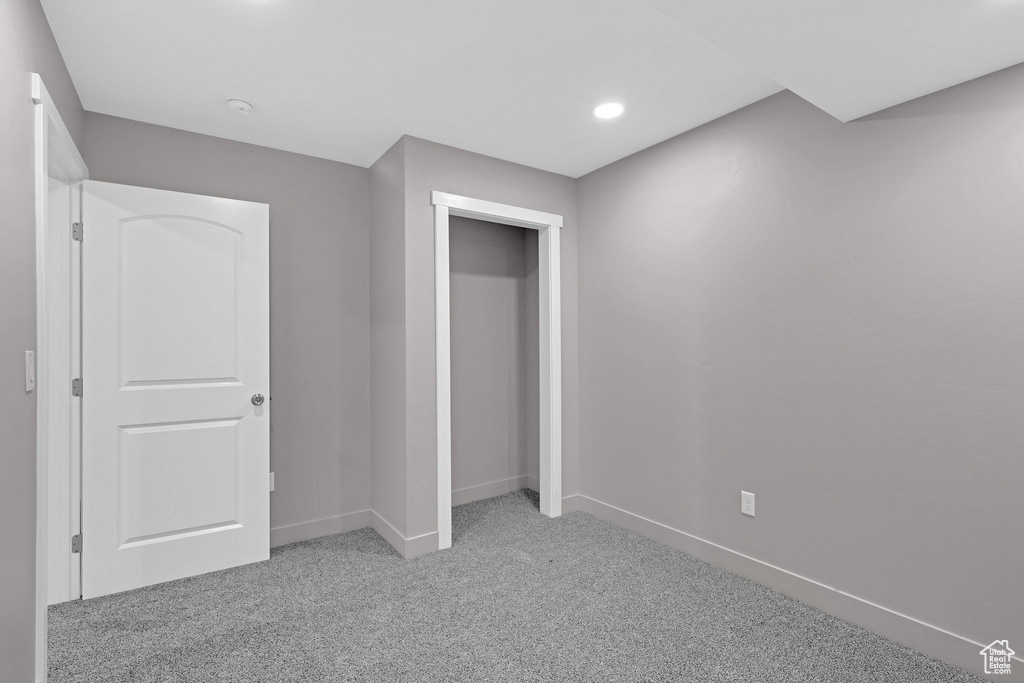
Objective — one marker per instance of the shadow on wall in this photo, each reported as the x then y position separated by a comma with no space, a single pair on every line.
495,392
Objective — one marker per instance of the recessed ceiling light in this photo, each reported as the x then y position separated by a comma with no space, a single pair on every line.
608,110
240,106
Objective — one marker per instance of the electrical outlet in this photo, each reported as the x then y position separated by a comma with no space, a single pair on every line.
747,503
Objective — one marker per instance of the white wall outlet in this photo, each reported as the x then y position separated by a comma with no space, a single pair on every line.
30,370
747,503
271,482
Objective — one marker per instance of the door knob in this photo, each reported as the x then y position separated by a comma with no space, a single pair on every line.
257,399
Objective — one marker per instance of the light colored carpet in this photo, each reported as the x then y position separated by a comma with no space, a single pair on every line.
519,597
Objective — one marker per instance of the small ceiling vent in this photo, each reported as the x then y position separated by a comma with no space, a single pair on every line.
240,106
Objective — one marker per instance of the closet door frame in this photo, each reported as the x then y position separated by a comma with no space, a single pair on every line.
550,331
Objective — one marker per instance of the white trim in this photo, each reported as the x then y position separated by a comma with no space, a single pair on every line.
420,545
493,212
315,528
550,329
443,383
548,226
387,531
407,547
469,494
58,353
571,504
932,640
56,156
70,164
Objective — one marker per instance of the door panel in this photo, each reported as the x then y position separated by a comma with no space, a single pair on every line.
175,343
177,479
194,338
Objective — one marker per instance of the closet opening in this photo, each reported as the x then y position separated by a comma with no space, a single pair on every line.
497,303
494,359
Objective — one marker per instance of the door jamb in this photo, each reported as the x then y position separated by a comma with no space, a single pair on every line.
57,156
550,328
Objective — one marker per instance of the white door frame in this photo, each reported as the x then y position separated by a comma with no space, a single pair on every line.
549,283
57,342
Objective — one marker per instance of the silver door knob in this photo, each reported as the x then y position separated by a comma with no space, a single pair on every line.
257,399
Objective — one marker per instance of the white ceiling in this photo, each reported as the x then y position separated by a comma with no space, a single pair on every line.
517,80
855,57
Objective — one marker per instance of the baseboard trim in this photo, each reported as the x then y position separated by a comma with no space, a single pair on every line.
929,639
408,548
388,532
420,545
491,489
328,526
414,546
571,504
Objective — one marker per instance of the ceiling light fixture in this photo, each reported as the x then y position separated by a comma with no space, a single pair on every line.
240,106
608,110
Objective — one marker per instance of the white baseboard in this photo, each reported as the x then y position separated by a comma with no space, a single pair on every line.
420,545
406,547
571,504
936,642
491,489
470,494
415,546
387,531
328,526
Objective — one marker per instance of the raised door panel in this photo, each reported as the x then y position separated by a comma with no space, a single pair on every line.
179,289
177,479
175,344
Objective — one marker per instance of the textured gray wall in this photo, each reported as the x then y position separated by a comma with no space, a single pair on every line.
829,316
491,303
430,166
402,295
319,296
26,46
387,324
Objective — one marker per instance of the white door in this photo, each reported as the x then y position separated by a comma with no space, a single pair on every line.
175,354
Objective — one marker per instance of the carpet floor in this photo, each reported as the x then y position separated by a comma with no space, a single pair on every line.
519,597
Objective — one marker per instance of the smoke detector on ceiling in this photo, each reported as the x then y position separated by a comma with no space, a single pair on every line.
240,106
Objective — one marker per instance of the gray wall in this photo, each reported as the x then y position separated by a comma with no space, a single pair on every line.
491,303
26,46
387,324
319,296
403,388
829,316
431,166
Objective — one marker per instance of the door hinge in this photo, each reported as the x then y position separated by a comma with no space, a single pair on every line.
76,543
76,231
76,387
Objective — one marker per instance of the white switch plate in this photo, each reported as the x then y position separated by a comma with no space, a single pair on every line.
747,503
30,370
271,481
